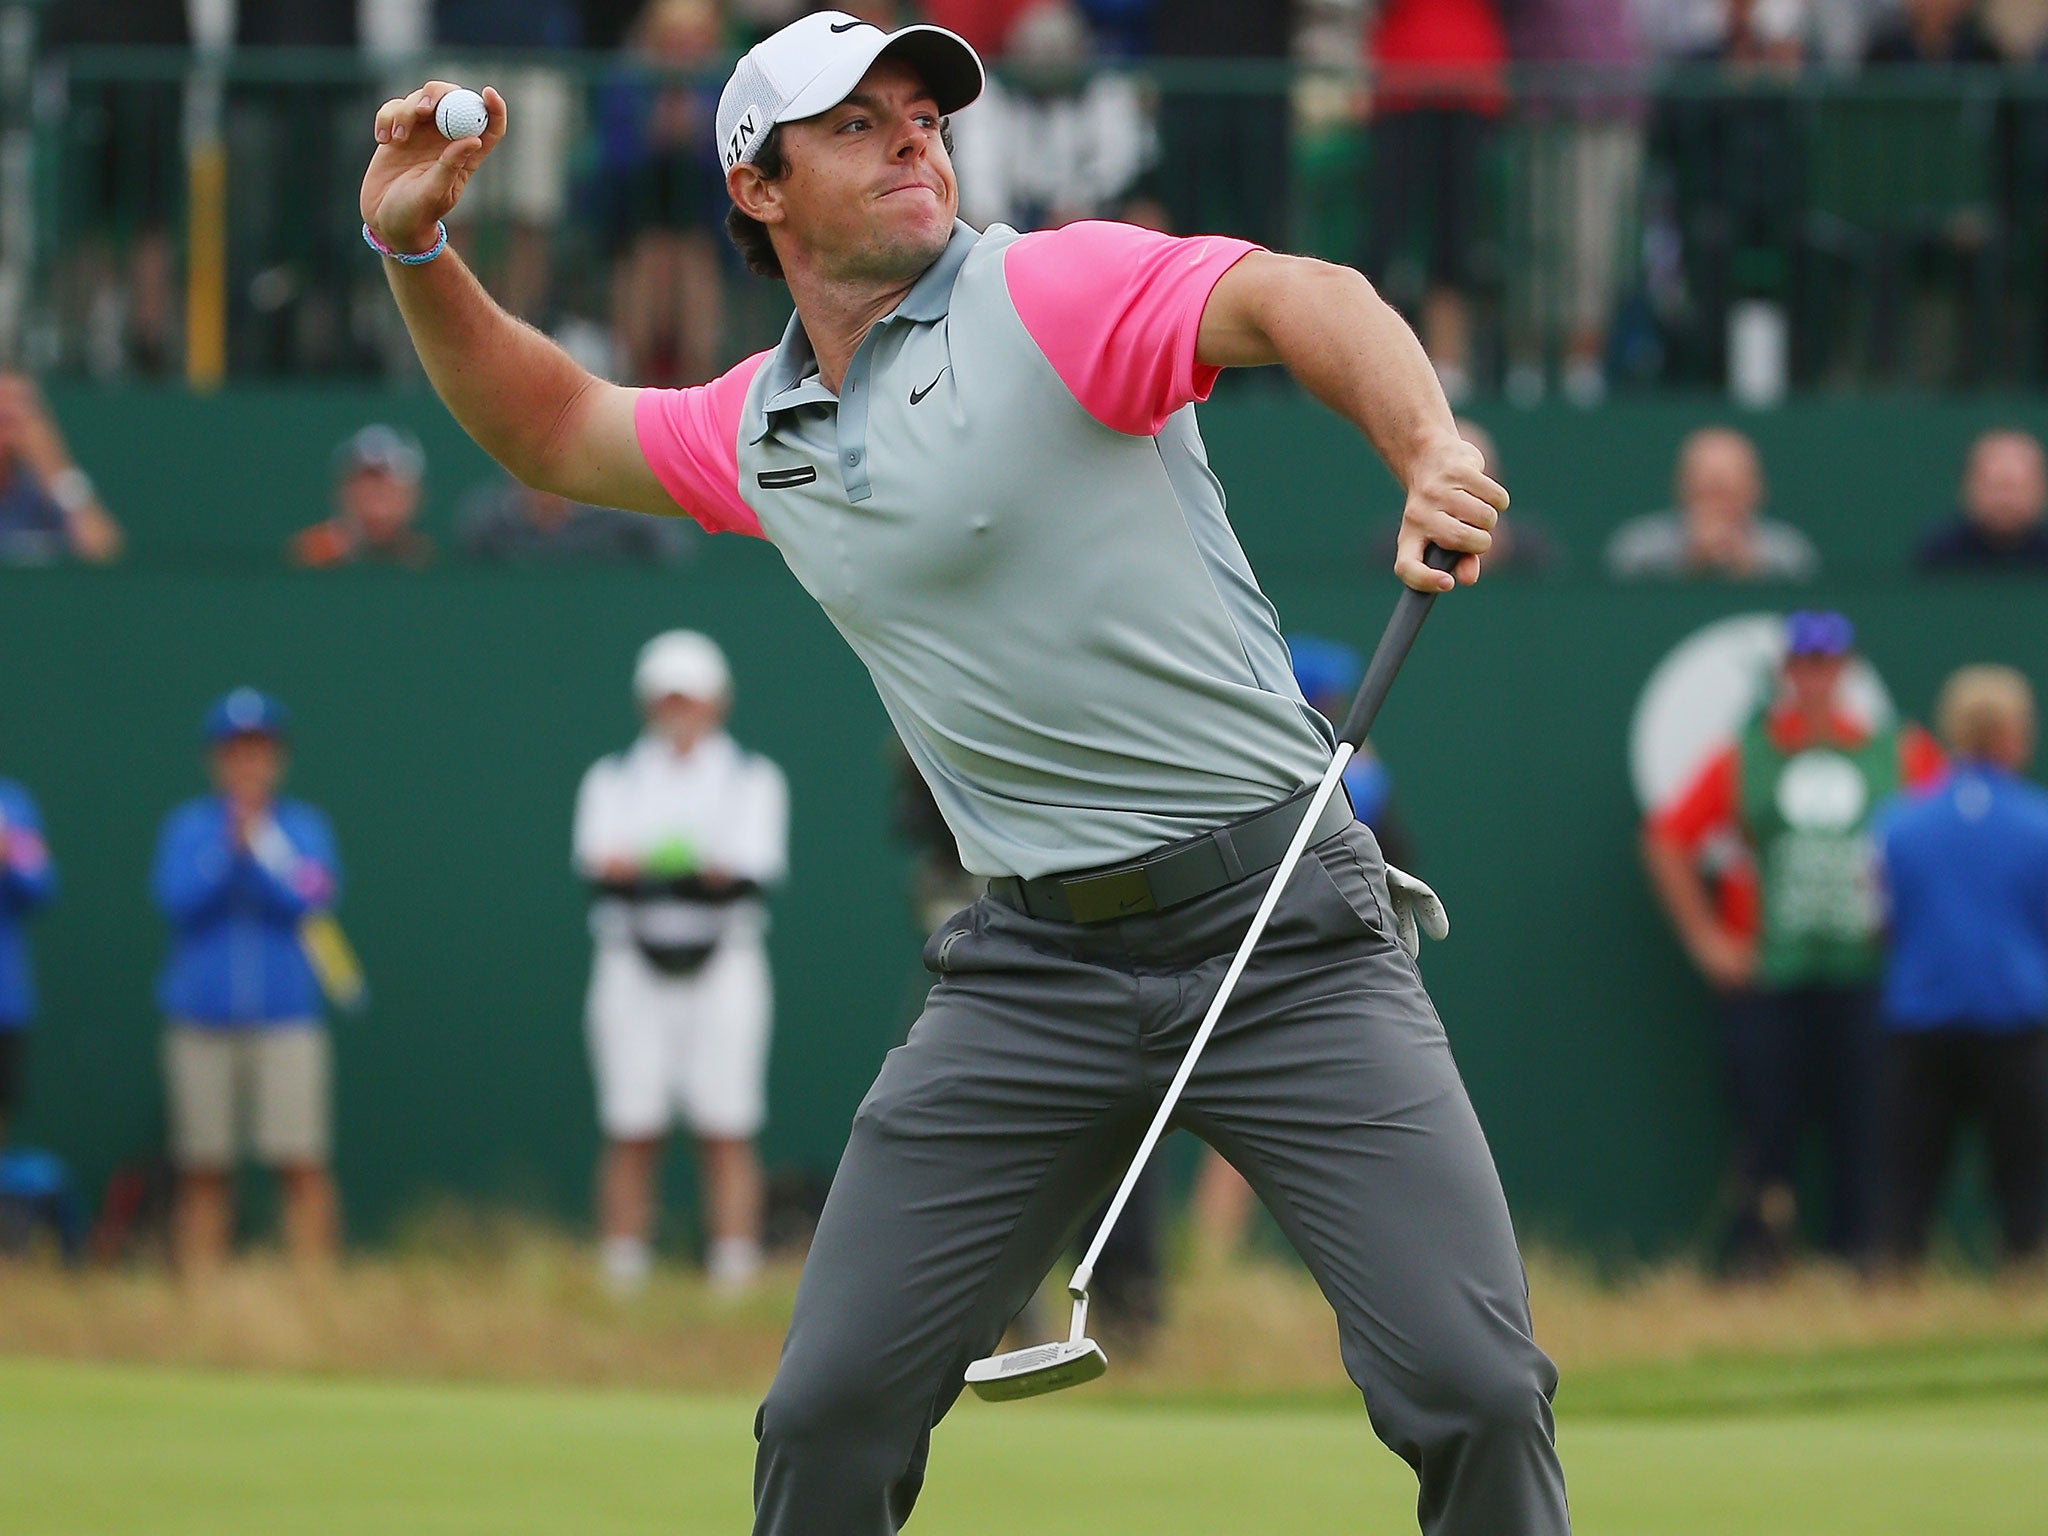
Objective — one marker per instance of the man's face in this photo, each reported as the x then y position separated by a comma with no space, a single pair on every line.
381,504
1812,682
249,767
684,721
1720,487
870,195
2005,490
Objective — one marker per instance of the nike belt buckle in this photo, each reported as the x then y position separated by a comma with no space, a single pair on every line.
1100,898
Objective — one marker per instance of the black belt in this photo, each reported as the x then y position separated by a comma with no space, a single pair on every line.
1178,872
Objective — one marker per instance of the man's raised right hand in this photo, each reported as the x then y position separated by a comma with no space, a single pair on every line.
416,176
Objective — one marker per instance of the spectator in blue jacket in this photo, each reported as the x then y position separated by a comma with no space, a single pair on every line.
27,880
238,872
1966,992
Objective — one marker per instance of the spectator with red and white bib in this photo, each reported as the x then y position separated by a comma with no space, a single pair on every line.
1792,939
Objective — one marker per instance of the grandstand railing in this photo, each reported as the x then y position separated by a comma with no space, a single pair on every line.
194,216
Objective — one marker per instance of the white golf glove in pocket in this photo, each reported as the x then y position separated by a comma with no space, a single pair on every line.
1417,910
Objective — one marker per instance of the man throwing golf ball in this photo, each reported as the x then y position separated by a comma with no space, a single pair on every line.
978,453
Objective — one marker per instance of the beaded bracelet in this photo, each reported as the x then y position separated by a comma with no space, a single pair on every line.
423,257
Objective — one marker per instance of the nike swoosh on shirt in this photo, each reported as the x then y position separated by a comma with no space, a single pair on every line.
918,394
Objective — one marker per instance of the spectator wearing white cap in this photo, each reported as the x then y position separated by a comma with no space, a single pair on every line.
678,837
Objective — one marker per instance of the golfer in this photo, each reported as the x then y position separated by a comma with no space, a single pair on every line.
978,453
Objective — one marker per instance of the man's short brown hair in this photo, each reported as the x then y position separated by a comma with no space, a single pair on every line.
749,235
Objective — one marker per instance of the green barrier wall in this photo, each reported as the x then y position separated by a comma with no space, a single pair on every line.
444,720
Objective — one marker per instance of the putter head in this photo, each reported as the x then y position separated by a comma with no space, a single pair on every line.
1037,1370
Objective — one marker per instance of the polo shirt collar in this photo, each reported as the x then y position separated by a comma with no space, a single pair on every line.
932,295
793,368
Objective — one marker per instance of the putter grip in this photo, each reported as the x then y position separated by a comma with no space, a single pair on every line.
1392,650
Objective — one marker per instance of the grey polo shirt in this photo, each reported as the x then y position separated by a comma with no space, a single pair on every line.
1008,513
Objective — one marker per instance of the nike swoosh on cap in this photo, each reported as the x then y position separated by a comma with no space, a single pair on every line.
848,26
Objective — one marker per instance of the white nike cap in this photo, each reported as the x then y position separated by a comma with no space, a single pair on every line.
685,662
813,63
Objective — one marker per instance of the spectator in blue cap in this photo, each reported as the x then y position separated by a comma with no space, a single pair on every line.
1966,986
238,872
27,881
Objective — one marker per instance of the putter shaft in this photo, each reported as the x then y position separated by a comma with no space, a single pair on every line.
1395,642
1332,776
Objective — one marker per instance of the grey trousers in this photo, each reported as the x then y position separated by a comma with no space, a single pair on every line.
1010,1111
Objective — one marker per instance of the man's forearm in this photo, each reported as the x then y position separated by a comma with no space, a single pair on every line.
1348,348
523,399
1352,350
510,387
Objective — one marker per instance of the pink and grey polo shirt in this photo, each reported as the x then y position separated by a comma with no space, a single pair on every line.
1008,513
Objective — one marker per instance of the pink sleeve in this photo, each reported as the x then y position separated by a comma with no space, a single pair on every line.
691,439
1115,309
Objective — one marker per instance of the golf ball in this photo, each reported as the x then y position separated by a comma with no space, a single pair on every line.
461,115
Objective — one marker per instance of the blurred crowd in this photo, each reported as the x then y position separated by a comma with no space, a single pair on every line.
50,512
1868,902
1564,195
379,475
677,840
1715,527
1871,907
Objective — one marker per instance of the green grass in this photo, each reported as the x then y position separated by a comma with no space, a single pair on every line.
89,1450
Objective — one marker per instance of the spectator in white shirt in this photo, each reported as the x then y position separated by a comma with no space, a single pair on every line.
1717,528
679,837
1053,140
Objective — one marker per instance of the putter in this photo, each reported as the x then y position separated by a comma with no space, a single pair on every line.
1041,1368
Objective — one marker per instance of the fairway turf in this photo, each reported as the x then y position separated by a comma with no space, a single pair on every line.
89,1450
